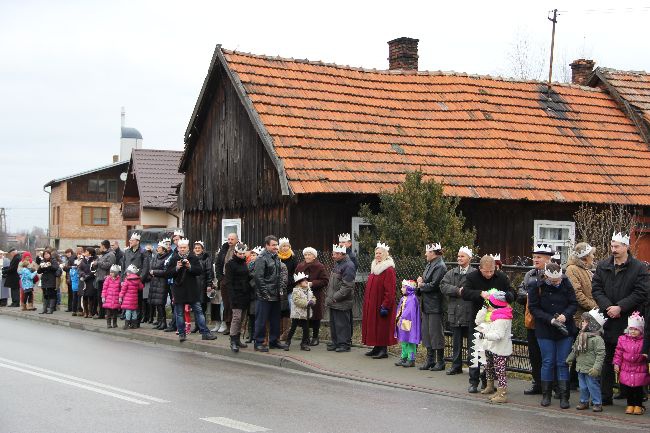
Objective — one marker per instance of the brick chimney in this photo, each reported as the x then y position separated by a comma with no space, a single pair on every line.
581,69
403,54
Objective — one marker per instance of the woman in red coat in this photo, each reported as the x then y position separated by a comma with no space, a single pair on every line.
318,280
377,327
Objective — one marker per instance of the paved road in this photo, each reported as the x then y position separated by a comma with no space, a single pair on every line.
54,379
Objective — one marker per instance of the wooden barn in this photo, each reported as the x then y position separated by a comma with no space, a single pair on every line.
293,147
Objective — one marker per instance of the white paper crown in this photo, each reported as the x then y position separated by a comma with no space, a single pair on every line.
495,256
283,241
588,249
132,269
551,274
337,249
382,245
433,247
199,243
116,268
543,249
258,250
466,250
167,241
345,237
598,316
135,236
300,276
241,247
636,321
620,237
184,242
556,256
163,244
179,233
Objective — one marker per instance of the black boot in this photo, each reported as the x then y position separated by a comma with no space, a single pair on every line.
109,325
382,353
563,386
534,389
233,344
429,361
439,355
114,322
127,325
196,329
547,393
51,306
45,302
162,325
373,351
239,343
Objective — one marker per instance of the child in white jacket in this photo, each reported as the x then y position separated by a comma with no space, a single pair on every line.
302,299
494,322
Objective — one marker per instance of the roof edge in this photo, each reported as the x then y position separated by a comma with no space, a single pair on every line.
72,176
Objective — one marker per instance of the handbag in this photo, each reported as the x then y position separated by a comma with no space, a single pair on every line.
405,325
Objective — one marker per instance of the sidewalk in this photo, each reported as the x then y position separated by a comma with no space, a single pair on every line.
352,365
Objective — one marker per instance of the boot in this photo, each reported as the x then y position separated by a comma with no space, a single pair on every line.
563,386
439,354
109,325
373,351
305,347
30,307
401,362
409,363
547,393
45,302
534,389
162,325
489,389
127,324
114,322
382,353
430,361
23,307
239,343
135,324
233,344
500,397
51,306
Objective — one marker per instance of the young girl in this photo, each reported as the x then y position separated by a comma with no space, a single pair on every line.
129,296
111,295
73,273
27,274
632,365
407,324
494,322
302,298
589,354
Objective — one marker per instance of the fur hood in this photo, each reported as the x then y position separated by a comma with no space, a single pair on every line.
573,260
379,267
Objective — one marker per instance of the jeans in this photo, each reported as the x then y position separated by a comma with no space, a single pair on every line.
131,314
267,311
554,355
589,386
179,313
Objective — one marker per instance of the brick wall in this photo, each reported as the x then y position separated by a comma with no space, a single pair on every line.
403,54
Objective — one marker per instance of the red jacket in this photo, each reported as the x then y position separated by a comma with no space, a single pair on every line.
111,292
129,292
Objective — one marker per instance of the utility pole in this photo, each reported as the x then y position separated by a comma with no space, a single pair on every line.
550,66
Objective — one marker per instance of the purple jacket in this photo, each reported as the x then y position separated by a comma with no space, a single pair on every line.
129,292
111,292
407,320
633,365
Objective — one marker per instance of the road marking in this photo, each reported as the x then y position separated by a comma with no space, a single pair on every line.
93,384
233,423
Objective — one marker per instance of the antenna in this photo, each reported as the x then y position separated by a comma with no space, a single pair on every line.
550,66
123,117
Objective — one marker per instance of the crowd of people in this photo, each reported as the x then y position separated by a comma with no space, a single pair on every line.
580,322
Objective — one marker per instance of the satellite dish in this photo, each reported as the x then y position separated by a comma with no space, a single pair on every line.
123,177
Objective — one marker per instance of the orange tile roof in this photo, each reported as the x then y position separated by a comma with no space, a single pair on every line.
339,129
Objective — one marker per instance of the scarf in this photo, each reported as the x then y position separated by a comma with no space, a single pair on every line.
499,313
582,340
285,256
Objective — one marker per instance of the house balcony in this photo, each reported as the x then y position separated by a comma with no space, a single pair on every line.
131,211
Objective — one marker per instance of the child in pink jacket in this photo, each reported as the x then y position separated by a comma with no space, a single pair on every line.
632,365
129,296
111,295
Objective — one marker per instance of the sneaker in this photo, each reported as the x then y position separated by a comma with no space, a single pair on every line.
222,327
583,406
597,408
261,348
342,349
208,336
216,327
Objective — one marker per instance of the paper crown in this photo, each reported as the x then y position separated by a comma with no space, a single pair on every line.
179,233
545,249
556,256
163,244
552,274
183,242
636,321
382,245
116,268
496,257
132,269
241,247
283,241
310,250
433,247
299,277
345,237
409,283
167,241
135,236
258,250
466,250
620,237
598,316
337,249
199,243
584,253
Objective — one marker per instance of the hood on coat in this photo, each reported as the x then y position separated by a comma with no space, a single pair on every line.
573,260
379,267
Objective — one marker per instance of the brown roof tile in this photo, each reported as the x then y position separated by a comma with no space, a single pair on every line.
157,176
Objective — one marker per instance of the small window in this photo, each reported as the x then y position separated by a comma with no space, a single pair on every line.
230,226
560,234
358,225
94,216
58,214
111,190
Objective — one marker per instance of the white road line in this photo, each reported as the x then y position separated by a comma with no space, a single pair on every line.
233,423
86,381
78,385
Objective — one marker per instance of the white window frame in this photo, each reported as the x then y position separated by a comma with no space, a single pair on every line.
538,224
357,224
228,222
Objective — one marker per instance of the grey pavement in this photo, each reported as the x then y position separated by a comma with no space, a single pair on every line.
320,392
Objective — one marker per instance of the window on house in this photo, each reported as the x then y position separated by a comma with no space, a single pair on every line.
92,185
359,225
94,216
230,226
560,234
111,190
97,186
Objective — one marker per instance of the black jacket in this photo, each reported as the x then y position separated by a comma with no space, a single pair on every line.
221,260
185,289
49,274
237,283
12,279
267,276
475,283
432,298
545,300
291,263
87,276
205,279
158,285
138,258
627,286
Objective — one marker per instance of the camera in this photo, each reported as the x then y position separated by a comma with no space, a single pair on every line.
560,326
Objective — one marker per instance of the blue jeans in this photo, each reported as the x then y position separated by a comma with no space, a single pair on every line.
131,314
179,313
554,355
589,386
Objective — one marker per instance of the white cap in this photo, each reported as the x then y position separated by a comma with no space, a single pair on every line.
310,250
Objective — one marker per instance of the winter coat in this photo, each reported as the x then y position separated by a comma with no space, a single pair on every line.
49,271
633,365
430,294
459,311
377,330
137,258
317,276
628,288
593,357
267,276
291,263
340,290
206,277
353,258
407,323
546,300
158,285
103,265
129,292
530,277
300,298
111,293
475,283
220,262
119,255
236,281
185,287
12,280
73,275
496,333
580,277
87,276
27,278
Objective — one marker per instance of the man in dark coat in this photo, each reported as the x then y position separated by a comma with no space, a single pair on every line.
12,280
345,240
433,336
184,267
621,285
477,285
224,255
103,266
136,256
115,246
340,299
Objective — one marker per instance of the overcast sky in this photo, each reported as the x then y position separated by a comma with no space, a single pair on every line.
68,66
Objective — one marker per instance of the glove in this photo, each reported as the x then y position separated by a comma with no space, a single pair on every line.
383,311
594,373
103,300
311,302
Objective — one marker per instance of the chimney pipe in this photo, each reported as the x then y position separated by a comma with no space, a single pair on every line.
116,158
403,54
581,70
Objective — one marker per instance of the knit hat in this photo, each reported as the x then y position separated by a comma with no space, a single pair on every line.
635,321
310,250
498,299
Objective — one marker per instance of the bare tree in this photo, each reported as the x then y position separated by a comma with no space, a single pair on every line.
526,57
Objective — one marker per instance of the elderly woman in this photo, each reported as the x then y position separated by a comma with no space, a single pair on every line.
286,255
318,281
377,325
579,273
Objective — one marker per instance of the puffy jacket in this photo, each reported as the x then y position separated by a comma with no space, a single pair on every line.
300,298
267,276
580,277
340,291
236,281
111,292
459,311
546,300
495,333
593,357
129,291
432,299
73,274
633,365
158,286
27,278
49,272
